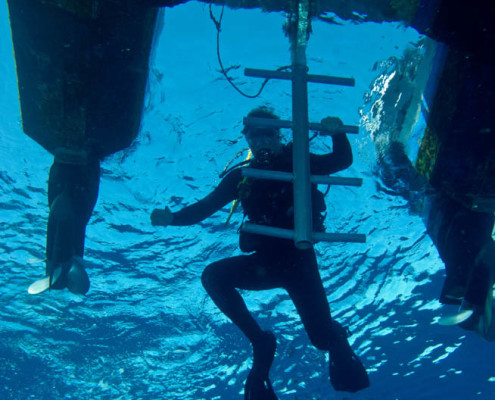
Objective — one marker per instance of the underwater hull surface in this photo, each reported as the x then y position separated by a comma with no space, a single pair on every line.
82,72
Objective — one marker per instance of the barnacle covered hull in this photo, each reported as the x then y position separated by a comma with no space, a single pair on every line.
82,69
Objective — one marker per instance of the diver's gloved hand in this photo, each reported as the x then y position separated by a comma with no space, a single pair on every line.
331,125
161,217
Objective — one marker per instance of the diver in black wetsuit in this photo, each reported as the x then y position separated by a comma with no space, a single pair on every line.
274,262
72,194
460,145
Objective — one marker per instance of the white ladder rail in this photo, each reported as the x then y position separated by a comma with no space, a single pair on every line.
303,234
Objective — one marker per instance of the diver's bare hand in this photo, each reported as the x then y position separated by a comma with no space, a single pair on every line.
331,125
161,217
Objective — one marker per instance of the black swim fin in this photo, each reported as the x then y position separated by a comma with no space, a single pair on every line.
457,318
45,283
77,278
347,373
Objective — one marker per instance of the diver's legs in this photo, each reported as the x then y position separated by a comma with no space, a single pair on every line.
85,197
304,285
72,194
479,292
59,244
443,228
258,385
459,235
305,288
479,227
220,280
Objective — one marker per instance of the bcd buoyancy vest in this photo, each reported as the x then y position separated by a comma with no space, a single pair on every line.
271,202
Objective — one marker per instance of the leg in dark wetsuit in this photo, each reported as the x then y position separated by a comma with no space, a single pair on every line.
480,281
459,235
72,195
296,271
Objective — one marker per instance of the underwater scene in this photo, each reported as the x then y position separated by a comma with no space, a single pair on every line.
147,327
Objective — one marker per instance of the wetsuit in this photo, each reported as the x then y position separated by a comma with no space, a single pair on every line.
275,263
459,235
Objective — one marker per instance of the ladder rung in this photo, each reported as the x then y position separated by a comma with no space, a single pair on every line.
289,176
280,123
289,234
339,237
332,80
267,174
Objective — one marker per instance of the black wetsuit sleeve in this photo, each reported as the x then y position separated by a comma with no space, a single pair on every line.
226,191
339,159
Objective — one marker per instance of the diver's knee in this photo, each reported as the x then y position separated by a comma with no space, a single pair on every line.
215,277
320,341
209,278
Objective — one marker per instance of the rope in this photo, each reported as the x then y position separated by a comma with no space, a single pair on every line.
218,26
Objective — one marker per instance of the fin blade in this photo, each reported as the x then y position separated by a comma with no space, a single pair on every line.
39,286
43,284
35,260
456,318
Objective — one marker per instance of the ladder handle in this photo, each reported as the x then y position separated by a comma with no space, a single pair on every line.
336,180
331,80
289,176
339,237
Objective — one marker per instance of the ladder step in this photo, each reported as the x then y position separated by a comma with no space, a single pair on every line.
331,80
281,123
289,234
289,176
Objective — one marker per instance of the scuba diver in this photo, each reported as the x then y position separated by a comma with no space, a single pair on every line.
72,194
452,183
460,140
274,262
461,218
82,73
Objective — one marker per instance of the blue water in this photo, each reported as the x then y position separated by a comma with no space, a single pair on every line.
146,329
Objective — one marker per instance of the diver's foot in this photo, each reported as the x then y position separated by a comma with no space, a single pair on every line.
264,353
258,388
472,316
258,385
480,319
57,274
347,373
72,276
77,278
452,292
